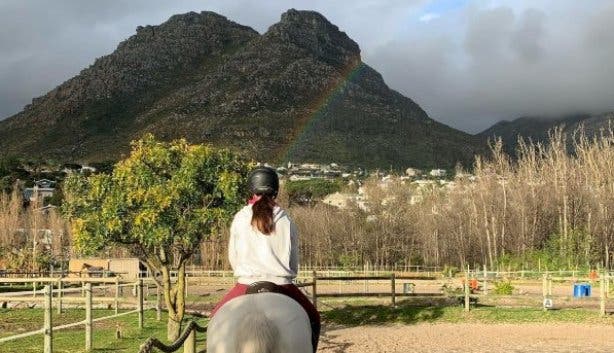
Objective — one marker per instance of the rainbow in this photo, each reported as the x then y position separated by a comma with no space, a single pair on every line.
318,107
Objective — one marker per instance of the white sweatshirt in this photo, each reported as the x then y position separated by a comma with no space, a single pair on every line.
258,257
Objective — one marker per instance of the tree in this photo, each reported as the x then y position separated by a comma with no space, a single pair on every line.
160,202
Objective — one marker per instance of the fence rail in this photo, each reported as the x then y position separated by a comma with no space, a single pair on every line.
48,329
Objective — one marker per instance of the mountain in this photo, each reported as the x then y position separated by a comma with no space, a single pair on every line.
298,92
538,128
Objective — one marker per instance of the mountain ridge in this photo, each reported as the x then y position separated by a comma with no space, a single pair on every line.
206,78
538,128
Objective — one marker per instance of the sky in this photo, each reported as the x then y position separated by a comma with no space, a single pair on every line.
468,63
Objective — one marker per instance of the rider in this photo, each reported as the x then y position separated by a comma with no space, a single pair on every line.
263,246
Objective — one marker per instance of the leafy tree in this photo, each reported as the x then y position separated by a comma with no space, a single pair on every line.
308,191
160,202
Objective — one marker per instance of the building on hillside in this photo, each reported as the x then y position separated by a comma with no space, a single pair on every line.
412,172
37,195
88,169
45,183
438,172
126,268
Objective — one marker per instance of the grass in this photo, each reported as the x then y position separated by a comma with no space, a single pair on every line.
18,288
14,321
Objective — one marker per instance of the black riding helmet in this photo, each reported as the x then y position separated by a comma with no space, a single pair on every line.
263,180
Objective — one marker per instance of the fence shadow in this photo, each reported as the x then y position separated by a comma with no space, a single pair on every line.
404,313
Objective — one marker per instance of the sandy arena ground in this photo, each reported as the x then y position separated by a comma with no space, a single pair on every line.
456,338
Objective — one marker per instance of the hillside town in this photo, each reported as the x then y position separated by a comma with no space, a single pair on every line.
39,183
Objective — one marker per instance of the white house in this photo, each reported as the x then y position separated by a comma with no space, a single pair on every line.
412,172
438,172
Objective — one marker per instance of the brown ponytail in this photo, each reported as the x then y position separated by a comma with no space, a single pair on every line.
262,217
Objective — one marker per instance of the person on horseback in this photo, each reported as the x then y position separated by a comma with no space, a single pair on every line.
263,247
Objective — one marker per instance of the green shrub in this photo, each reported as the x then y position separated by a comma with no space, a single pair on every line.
504,287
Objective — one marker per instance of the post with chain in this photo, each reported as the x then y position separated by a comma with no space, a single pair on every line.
189,346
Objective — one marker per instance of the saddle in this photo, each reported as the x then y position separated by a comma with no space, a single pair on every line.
265,287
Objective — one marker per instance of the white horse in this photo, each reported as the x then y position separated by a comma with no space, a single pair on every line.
260,323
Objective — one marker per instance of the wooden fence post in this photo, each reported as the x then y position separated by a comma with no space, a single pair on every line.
158,305
602,295
185,285
485,284
88,317
393,290
189,346
545,291
116,295
314,293
140,301
59,296
466,287
48,344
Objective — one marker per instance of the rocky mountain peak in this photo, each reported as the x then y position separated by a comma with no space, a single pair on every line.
284,95
311,31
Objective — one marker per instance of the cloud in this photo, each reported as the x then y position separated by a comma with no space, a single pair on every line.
428,17
468,63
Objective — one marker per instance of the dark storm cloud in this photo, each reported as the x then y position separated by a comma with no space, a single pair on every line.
467,63
538,58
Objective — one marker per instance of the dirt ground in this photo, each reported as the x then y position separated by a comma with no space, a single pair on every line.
456,338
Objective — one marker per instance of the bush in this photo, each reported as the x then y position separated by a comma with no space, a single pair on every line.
449,271
307,191
504,288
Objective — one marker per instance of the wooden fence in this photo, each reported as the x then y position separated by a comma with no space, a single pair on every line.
87,299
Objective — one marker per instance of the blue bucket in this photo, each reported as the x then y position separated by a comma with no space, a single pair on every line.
581,290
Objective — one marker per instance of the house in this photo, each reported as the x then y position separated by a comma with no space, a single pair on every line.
44,183
88,169
37,195
412,172
438,172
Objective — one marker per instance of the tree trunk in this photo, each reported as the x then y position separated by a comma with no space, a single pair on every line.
175,300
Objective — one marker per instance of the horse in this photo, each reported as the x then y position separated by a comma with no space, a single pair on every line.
260,323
